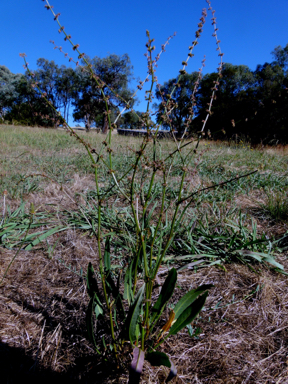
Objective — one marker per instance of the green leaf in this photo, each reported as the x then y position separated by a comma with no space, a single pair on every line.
188,299
114,290
107,256
193,332
133,316
98,307
261,257
8,228
270,259
188,315
89,323
192,265
91,281
165,294
159,358
128,294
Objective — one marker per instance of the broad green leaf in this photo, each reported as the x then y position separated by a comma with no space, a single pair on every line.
34,235
188,299
7,228
137,333
160,358
116,266
165,294
108,234
188,315
110,285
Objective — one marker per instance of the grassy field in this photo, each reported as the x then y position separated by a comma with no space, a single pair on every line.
234,236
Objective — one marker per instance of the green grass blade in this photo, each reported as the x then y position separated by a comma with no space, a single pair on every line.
44,236
128,293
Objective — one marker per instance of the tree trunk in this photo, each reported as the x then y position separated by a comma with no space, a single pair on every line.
87,123
105,125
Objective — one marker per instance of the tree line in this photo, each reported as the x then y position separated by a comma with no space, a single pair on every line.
251,104
21,96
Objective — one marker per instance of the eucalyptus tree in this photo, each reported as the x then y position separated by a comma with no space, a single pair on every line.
181,99
46,76
8,90
115,73
272,95
66,83
280,55
134,120
235,101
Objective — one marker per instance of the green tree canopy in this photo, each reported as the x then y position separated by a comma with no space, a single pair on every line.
281,56
134,120
234,100
115,73
180,99
8,90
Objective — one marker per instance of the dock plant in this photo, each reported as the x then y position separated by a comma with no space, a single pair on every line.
128,296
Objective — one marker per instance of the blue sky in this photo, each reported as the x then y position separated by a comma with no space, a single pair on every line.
248,29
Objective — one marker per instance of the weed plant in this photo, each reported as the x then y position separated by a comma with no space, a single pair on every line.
137,216
132,315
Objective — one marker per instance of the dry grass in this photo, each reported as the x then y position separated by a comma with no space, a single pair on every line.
42,303
43,316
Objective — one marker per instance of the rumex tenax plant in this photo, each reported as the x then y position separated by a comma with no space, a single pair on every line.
125,294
